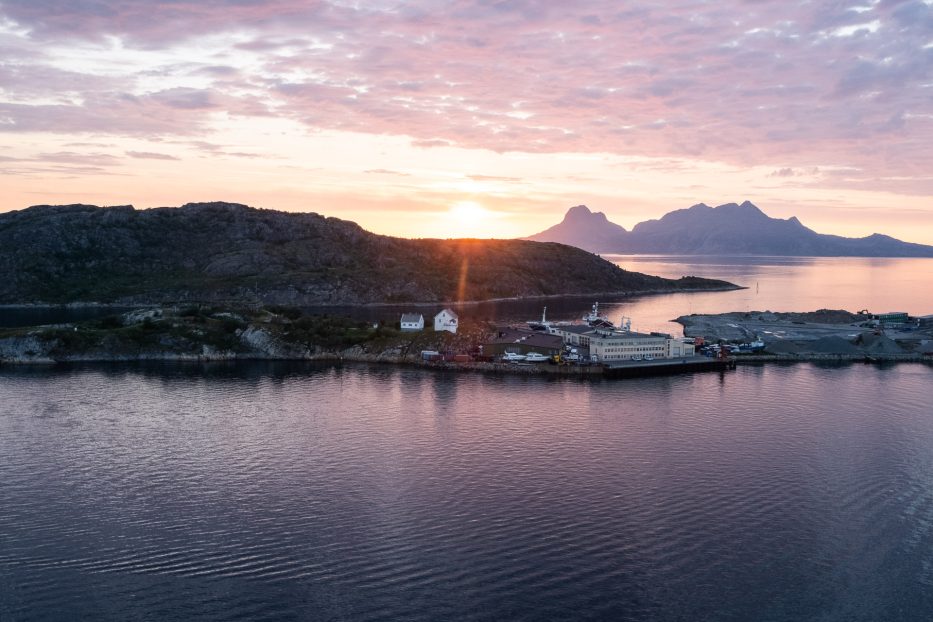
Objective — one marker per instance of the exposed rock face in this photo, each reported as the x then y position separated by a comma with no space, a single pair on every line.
26,348
218,252
729,229
262,341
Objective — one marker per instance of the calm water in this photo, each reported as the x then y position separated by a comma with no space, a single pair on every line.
292,492
295,492
781,284
773,283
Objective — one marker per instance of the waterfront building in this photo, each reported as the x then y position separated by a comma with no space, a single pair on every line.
575,335
412,322
607,345
446,320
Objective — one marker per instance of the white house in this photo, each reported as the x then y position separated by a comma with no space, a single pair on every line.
445,320
412,321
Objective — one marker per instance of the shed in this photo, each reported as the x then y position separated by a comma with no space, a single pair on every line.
412,322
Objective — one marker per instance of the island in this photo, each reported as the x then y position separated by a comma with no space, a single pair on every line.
201,333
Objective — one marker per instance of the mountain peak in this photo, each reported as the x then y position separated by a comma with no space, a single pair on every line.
728,229
584,229
747,208
581,213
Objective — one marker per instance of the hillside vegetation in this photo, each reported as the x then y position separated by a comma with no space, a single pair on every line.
217,252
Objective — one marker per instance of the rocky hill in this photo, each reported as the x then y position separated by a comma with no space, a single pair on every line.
221,252
729,229
584,229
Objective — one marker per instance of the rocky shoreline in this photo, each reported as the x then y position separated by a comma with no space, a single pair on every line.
204,335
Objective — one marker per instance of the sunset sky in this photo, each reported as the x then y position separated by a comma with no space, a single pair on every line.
474,118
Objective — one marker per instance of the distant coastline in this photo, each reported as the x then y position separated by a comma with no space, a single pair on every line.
726,230
571,296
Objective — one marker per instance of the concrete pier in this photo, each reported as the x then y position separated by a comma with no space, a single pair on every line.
635,369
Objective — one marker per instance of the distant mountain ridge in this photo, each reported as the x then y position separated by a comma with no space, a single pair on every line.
231,253
730,229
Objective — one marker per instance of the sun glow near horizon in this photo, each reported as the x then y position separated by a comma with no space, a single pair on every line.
469,219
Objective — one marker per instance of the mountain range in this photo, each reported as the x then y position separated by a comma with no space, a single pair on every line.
729,229
231,253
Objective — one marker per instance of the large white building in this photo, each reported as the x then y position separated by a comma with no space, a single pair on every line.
446,320
609,346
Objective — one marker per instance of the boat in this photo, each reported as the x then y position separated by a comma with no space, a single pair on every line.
594,319
535,357
513,357
543,325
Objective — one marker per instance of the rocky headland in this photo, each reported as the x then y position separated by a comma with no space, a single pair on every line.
231,254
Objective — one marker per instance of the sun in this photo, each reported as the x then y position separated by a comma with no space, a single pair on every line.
468,211
469,219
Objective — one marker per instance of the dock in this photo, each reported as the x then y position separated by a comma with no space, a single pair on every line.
662,367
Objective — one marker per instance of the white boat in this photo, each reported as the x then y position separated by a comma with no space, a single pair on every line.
535,357
513,357
594,319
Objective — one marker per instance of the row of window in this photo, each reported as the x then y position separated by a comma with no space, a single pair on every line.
637,349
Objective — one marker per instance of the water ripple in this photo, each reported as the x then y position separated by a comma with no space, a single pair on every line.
267,492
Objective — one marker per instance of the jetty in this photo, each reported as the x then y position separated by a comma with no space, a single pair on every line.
639,369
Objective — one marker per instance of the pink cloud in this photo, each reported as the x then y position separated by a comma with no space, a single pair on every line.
747,83
149,155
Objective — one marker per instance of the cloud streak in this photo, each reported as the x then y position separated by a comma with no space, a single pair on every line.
790,87
729,81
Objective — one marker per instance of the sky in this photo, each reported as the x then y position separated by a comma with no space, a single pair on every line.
482,118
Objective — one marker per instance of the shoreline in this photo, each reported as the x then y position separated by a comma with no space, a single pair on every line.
209,335
542,369
153,305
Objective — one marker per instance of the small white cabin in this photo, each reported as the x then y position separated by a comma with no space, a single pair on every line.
412,322
446,320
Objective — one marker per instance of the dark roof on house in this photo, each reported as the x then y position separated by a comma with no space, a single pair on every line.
528,338
577,329
412,317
